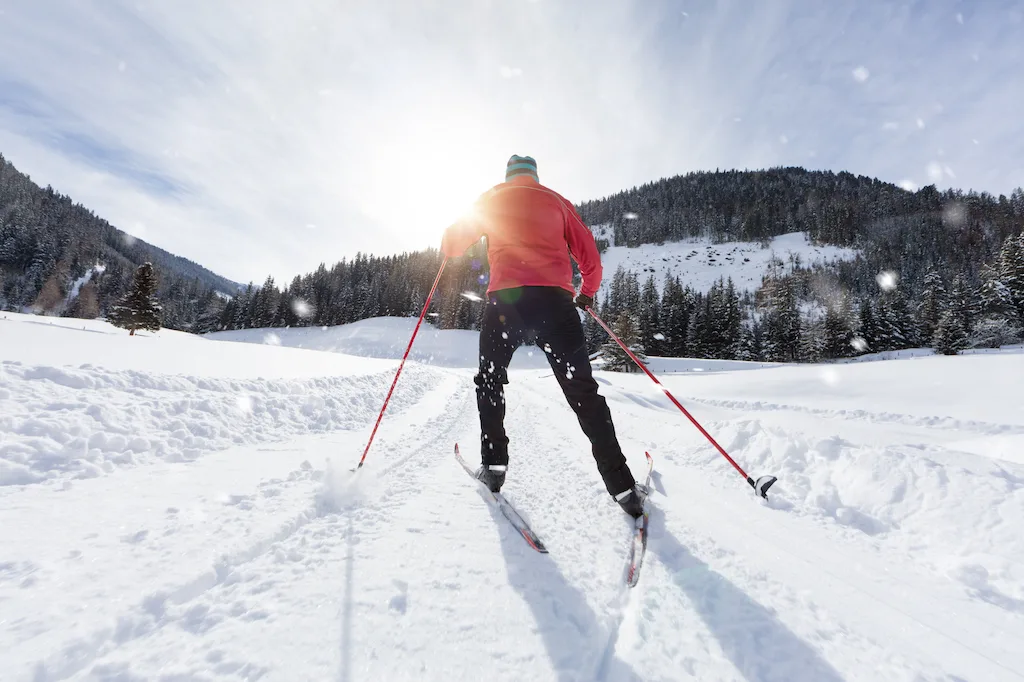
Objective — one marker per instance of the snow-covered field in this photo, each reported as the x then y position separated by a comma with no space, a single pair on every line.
700,263
180,508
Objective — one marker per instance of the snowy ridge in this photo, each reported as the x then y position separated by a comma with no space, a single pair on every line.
384,337
900,501
700,263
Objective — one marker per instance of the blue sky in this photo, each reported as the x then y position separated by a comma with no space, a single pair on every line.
256,137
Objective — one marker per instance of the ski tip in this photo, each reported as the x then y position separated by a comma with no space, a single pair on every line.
456,448
649,458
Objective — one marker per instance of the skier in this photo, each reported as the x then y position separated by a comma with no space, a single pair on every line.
531,233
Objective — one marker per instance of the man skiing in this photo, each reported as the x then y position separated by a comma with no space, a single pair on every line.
531,233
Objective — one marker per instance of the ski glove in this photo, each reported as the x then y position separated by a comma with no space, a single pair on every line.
583,301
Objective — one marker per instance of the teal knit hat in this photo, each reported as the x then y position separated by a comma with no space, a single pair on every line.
521,165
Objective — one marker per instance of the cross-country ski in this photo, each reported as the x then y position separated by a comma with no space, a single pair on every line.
507,510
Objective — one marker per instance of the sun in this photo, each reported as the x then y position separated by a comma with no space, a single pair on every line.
429,173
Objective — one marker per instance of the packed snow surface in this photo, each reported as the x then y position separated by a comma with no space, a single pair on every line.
182,508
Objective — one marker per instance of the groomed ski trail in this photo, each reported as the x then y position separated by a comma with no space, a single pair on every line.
408,574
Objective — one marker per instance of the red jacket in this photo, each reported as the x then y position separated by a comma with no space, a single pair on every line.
531,233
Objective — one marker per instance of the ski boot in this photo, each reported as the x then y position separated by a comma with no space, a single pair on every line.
632,500
492,476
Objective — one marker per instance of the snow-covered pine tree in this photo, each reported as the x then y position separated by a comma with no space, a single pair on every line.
836,335
867,327
650,317
781,321
139,308
951,336
933,302
812,340
961,301
627,328
675,315
1011,273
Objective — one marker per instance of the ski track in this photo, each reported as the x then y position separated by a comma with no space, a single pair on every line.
110,653
358,581
677,551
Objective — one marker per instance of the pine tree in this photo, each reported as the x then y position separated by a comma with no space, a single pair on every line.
781,321
211,315
951,335
812,341
627,328
1011,273
139,308
650,317
867,328
962,302
836,336
933,302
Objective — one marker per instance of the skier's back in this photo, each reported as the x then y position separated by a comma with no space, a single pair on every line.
531,233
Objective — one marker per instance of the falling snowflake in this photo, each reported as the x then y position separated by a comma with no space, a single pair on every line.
954,213
830,376
659,336
859,344
303,308
470,296
244,403
887,280
272,339
629,215
861,74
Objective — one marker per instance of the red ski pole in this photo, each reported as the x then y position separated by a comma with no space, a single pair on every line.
760,486
402,364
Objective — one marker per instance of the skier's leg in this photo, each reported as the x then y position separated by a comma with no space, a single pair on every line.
560,335
500,335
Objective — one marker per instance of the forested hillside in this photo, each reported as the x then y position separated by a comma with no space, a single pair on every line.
931,262
48,244
935,268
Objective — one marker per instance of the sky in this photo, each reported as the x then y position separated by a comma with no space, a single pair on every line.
259,137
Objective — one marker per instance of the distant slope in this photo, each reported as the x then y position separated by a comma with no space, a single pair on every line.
699,263
46,237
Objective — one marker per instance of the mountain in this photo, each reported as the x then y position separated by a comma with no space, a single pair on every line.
784,264
50,248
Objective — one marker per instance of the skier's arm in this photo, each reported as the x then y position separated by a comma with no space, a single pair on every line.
583,249
460,236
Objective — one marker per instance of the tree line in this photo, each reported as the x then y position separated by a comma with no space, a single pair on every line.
952,254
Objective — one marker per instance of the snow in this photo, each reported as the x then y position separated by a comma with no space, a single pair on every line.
77,285
700,263
385,337
181,508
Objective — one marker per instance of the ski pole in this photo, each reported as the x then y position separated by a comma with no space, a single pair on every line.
760,486
402,364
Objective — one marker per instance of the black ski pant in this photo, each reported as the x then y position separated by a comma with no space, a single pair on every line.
550,315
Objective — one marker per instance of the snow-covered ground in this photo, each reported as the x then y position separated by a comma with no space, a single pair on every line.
700,263
235,544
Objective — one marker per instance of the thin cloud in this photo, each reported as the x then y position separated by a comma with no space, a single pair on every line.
226,128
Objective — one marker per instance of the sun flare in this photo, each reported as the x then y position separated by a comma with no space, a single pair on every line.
430,173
